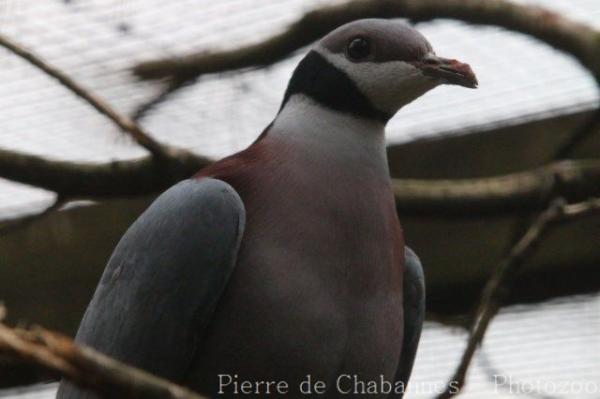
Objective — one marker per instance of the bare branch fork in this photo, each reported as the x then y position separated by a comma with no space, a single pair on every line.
84,366
498,284
160,151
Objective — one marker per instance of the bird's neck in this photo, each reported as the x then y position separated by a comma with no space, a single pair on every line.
331,137
317,77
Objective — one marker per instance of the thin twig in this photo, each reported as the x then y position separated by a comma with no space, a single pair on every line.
126,124
10,226
589,127
86,367
145,108
579,209
498,284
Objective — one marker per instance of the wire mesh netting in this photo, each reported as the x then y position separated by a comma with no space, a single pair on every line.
97,42
549,350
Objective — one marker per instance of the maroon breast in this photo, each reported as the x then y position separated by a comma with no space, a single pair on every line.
317,287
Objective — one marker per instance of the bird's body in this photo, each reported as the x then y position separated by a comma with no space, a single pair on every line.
327,257
286,260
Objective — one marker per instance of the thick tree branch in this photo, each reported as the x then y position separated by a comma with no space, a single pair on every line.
86,367
526,191
113,179
498,284
574,38
518,192
160,151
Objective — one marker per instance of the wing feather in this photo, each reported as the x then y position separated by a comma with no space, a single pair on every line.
414,314
164,279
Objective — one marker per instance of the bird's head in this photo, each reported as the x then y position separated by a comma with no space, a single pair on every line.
373,67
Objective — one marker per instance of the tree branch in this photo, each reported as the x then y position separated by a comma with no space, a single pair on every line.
86,367
579,40
574,38
76,180
588,128
517,192
498,285
126,124
525,191
145,108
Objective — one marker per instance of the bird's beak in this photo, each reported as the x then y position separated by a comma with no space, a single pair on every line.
448,71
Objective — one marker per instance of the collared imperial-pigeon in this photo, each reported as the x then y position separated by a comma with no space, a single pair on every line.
284,262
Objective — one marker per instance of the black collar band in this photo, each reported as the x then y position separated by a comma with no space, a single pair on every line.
318,79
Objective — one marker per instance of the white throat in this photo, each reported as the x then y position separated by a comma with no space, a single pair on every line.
332,134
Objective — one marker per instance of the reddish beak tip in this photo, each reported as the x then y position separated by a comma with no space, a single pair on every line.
466,77
449,71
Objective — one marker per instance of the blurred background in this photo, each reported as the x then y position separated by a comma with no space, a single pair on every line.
545,343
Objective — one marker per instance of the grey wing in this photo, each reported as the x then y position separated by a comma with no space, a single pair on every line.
164,279
414,314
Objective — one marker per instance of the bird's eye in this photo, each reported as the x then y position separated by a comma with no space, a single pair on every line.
359,48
